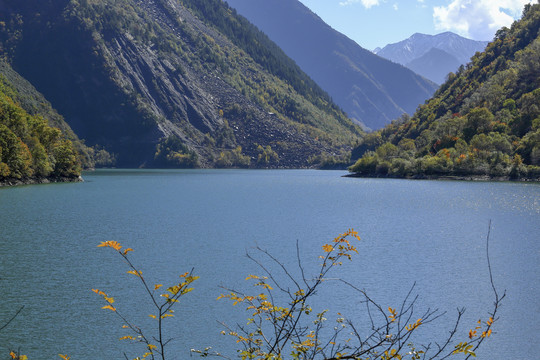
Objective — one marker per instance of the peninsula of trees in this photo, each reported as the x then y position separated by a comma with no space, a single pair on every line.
484,121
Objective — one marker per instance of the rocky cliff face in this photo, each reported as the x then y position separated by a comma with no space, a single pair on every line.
159,86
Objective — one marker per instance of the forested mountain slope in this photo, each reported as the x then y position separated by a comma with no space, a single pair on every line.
30,149
484,121
170,83
34,103
372,90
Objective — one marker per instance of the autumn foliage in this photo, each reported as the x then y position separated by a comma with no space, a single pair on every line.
163,303
281,323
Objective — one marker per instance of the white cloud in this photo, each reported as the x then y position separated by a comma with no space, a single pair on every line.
367,3
477,19
396,6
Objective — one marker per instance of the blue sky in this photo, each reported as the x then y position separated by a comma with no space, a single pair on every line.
373,23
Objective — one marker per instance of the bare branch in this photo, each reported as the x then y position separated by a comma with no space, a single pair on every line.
12,318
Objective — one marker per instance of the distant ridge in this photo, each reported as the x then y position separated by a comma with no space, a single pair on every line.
435,65
372,91
417,53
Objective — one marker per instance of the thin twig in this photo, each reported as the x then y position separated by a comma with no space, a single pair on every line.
12,318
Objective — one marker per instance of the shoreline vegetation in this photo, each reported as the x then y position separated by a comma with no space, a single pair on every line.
36,181
485,178
444,177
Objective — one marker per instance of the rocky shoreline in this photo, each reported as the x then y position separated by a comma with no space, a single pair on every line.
34,181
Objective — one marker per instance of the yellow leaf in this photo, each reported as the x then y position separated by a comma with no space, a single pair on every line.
152,316
99,292
393,314
135,272
174,289
13,355
412,327
109,307
157,286
327,248
127,250
112,244
65,357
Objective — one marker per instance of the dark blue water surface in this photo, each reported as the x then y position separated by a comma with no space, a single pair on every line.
429,232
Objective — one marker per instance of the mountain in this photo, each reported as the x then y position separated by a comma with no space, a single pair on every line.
371,90
417,45
484,121
419,53
169,83
30,149
434,65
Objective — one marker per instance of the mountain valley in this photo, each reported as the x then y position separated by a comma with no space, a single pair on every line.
165,83
371,90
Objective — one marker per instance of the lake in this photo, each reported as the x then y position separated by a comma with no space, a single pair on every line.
429,232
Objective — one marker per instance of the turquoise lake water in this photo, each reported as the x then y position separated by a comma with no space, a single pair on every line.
429,232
